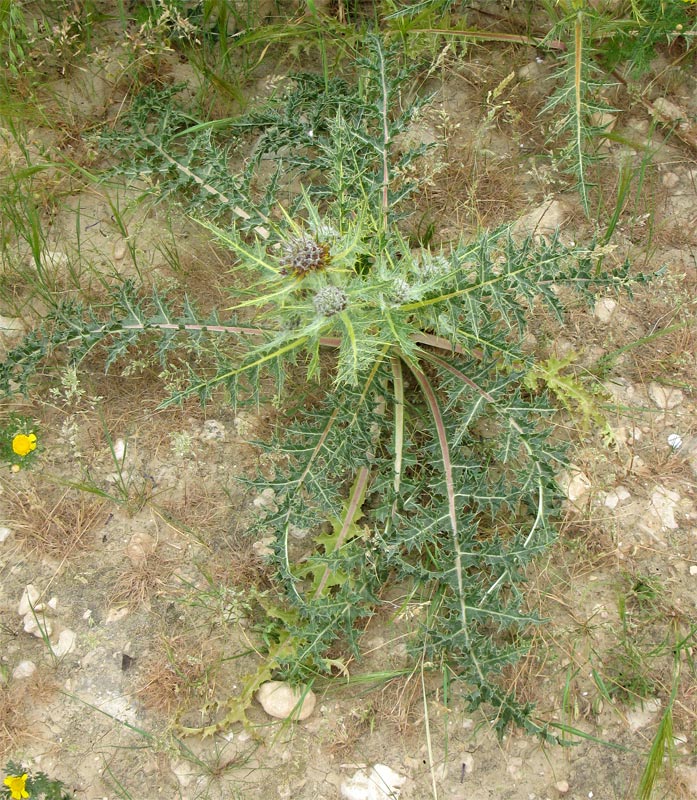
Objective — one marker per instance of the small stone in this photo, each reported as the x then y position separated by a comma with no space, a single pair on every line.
262,548
665,397
119,450
119,250
675,441
184,772
25,669
266,500
297,533
621,390
605,120
66,642
139,548
562,787
11,326
639,718
680,739
40,628
670,180
637,466
664,505
378,783
604,309
283,701
616,496
4,534
612,500
530,72
574,483
29,601
53,603
668,111
693,569
116,614
542,221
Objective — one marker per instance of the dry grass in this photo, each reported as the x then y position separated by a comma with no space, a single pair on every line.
145,577
201,510
55,521
397,706
19,700
180,674
470,195
14,709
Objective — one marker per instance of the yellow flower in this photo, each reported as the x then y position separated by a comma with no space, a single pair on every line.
16,784
23,444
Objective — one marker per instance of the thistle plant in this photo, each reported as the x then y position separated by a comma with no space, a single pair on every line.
578,98
421,461
603,50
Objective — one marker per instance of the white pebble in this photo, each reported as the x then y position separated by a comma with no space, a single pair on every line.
119,250
29,601
612,500
604,309
266,500
642,716
25,669
664,505
11,326
616,496
693,569
562,786
574,483
675,441
379,783
66,642
665,397
4,534
283,701
39,628
262,548
116,614
119,450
